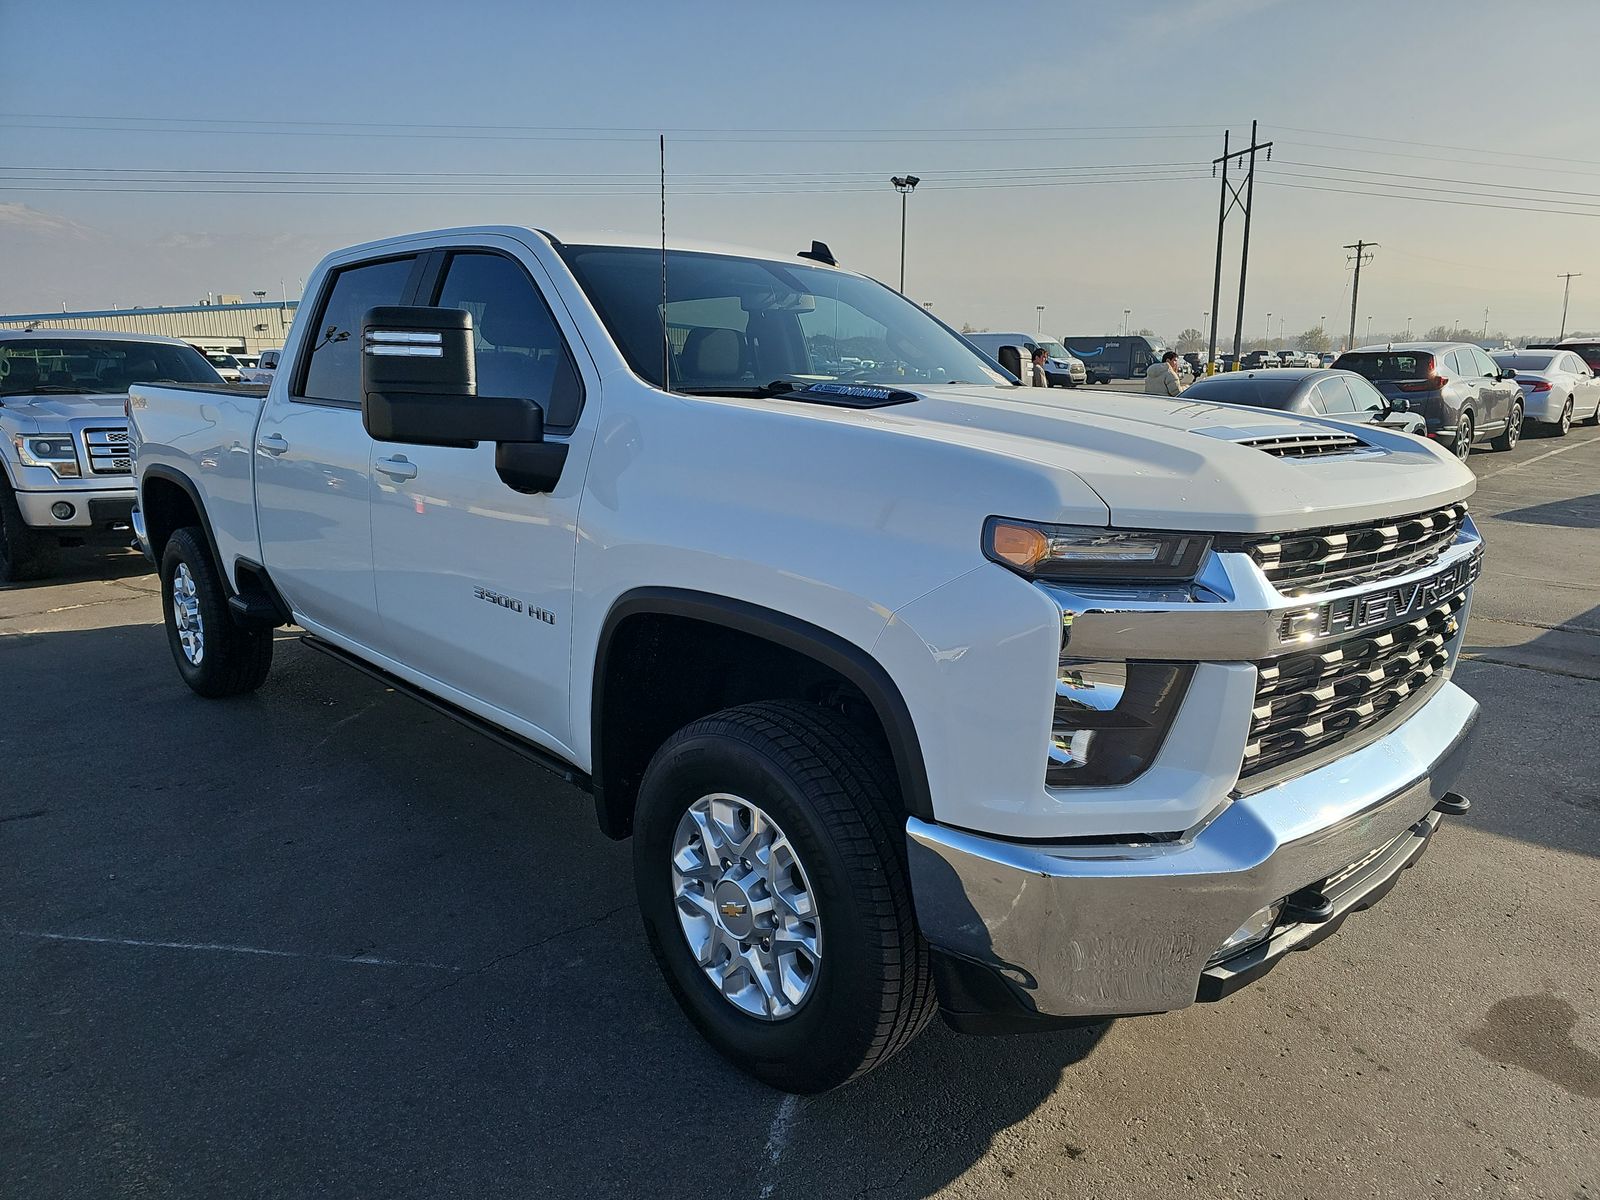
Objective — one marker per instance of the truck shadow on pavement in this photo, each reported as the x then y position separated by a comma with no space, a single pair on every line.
1578,512
323,941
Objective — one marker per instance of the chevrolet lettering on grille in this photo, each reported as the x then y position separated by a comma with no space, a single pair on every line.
1349,614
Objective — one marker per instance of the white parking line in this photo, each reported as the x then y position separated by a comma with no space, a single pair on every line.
1540,458
365,960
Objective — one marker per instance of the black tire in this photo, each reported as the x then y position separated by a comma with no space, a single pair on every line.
232,659
1465,430
1563,423
1593,418
831,790
25,553
1513,433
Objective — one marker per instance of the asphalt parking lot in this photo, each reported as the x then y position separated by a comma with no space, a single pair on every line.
321,941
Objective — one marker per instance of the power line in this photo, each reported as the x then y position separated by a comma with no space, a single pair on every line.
1306,187
1499,154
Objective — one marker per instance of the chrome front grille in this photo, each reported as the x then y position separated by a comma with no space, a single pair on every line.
1308,700
1318,560
108,451
1308,445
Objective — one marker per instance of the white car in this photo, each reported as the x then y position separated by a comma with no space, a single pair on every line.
914,688
226,365
1557,387
264,369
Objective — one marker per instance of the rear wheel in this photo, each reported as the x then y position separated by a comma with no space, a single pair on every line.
25,553
1513,432
1464,431
770,864
215,656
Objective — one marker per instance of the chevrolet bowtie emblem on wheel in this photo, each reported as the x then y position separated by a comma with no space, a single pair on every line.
731,910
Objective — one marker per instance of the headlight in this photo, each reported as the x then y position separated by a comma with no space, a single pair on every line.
53,450
1085,554
1110,719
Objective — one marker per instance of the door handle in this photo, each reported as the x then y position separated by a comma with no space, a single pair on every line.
398,467
273,443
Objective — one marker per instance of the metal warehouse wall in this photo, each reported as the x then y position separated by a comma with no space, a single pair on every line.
242,328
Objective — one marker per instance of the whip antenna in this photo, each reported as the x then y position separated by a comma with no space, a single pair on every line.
666,346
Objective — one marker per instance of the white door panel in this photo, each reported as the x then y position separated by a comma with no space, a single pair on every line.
474,580
314,497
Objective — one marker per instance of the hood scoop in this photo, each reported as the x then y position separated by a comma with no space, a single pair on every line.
1305,442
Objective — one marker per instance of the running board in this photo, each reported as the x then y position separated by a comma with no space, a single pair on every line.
537,755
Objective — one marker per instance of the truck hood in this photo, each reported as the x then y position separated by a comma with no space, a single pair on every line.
1161,463
45,410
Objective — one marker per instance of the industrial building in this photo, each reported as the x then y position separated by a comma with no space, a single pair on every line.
233,327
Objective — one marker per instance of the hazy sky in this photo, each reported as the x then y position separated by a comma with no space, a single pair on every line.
1064,147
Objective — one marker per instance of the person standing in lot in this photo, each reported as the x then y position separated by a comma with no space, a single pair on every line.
1040,357
1162,377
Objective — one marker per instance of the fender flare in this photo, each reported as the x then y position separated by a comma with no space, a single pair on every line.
846,658
173,476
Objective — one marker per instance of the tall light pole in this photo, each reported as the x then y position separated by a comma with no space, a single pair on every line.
1266,330
1038,324
1566,291
905,185
261,298
1369,327
1486,324
1408,329
1127,321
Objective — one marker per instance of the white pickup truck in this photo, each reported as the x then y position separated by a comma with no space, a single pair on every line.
916,690
66,476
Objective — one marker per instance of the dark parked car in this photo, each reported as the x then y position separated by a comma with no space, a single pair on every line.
1460,391
1312,391
1587,349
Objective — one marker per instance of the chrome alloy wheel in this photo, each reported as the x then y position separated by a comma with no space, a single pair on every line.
745,906
186,615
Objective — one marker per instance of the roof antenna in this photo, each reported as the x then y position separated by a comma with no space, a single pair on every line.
666,346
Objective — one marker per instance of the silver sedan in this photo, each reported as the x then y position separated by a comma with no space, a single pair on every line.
1557,386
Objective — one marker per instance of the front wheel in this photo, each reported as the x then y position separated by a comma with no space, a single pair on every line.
1513,433
25,553
215,656
770,864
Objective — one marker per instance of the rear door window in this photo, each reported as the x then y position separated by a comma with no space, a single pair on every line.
333,360
1335,397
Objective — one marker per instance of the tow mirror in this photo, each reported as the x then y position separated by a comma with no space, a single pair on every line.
419,387
1010,357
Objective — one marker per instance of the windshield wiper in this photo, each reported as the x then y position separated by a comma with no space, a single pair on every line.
52,389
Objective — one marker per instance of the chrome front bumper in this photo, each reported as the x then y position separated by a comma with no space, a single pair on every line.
1076,930
90,508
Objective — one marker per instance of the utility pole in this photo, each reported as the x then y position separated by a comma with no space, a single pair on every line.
1038,324
1360,258
1566,291
1229,198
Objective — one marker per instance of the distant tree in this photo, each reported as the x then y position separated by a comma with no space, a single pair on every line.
1315,340
1148,333
967,328
1190,339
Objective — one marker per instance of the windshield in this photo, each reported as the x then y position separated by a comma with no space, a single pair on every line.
1387,366
739,325
223,360
1524,362
67,365
1054,349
